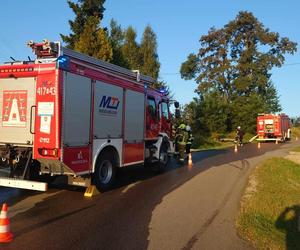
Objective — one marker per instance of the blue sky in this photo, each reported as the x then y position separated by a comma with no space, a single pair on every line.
178,25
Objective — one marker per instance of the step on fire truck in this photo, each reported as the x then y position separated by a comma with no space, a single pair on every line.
272,127
66,113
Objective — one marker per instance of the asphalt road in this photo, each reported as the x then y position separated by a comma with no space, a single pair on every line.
183,208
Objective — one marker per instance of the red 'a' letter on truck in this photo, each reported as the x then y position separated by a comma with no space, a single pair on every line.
66,113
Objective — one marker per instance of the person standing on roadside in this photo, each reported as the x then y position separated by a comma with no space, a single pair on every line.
239,136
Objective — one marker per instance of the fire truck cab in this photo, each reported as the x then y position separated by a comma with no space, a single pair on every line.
66,113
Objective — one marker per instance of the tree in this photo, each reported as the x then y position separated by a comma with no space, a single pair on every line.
82,10
131,49
233,66
93,41
137,56
116,38
148,51
244,110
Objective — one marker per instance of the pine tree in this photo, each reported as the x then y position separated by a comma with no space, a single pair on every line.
82,10
116,38
93,41
131,50
148,51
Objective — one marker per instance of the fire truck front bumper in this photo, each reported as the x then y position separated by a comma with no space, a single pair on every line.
268,139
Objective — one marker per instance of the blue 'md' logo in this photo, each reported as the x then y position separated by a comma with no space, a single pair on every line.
109,105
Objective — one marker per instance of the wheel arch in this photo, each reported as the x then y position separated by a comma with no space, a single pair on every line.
107,149
162,138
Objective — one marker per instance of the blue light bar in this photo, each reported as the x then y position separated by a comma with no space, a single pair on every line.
63,62
164,90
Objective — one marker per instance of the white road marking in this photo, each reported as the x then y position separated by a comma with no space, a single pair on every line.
129,187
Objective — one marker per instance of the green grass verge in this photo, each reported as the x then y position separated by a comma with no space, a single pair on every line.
296,149
296,132
215,143
270,209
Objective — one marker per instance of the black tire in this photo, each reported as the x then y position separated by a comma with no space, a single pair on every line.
163,157
105,171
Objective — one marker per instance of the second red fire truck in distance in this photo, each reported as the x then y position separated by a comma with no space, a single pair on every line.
272,127
66,113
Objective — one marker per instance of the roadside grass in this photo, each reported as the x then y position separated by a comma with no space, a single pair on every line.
295,131
216,142
296,149
210,145
269,217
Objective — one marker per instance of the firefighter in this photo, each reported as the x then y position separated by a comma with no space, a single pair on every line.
190,139
181,141
239,136
184,141
174,135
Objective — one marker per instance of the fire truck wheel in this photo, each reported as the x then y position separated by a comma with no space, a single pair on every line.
163,157
105,172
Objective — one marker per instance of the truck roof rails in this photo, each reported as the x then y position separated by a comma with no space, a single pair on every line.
52,50
133,74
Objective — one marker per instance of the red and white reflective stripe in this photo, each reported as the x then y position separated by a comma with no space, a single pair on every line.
4,229
3,215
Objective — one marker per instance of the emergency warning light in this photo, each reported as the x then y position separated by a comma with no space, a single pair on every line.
63,62
164,90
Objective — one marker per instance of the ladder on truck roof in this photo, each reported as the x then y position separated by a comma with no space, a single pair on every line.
46,50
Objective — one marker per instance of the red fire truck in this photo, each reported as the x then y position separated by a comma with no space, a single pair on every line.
272,127
66,113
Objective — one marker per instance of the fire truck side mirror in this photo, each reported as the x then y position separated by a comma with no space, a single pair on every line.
177,110
177,113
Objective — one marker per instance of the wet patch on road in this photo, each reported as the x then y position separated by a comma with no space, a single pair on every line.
29,203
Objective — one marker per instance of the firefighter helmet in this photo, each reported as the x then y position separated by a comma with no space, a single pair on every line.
182,126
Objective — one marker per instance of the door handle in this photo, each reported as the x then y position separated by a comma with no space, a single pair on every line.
32,112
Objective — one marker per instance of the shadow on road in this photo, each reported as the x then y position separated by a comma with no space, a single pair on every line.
289,222
49,221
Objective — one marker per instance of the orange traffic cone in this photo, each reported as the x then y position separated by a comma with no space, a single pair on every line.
258,145
5,234
235,148
190,162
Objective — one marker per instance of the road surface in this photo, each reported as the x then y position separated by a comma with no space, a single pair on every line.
183,208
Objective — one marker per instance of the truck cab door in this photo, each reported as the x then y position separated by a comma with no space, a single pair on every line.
165,117
152,118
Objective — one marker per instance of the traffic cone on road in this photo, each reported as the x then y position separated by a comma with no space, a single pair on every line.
190,161
258,145
235,148
5,234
